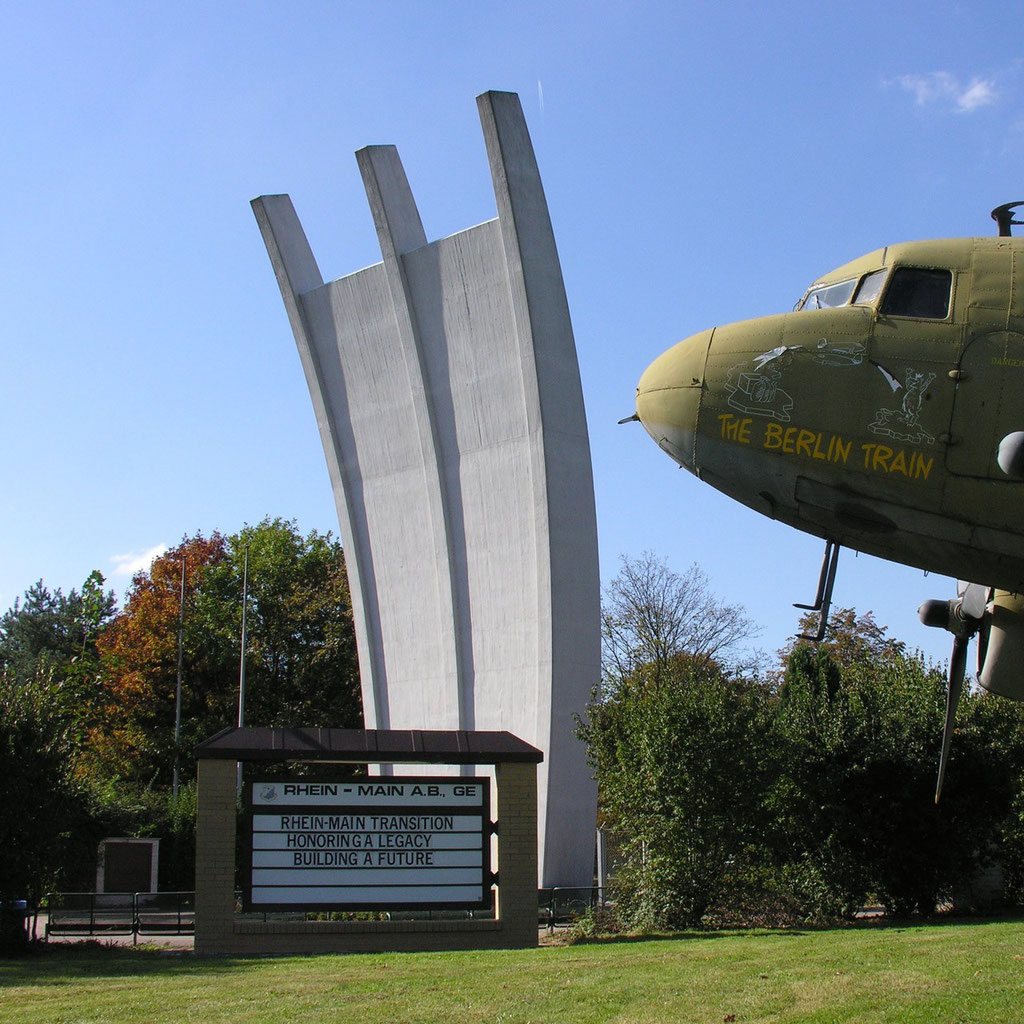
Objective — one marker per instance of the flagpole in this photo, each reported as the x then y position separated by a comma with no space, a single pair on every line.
241,660
177,689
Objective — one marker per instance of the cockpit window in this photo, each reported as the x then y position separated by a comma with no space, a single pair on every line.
870,287
830,295
919,292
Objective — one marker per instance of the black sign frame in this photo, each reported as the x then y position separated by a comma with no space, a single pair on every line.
378,785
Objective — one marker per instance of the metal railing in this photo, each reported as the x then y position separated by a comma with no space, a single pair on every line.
165,913
173,913
119,913
564,905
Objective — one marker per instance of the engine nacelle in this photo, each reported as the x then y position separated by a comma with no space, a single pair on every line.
1003,669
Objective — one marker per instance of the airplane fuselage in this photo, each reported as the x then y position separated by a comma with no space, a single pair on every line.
873,413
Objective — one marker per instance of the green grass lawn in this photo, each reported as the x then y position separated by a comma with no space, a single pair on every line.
954,972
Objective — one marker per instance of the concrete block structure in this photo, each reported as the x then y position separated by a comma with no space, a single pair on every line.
447,393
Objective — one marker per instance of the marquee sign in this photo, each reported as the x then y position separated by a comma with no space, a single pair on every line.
368,843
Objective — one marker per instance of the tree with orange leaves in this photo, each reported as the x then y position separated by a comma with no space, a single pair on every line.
139,654
301,666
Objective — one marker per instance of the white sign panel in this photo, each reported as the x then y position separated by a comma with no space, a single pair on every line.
369,843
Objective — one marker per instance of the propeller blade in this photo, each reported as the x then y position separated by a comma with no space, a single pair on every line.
973,598
957,668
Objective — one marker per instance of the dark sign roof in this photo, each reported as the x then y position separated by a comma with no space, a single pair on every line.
368,746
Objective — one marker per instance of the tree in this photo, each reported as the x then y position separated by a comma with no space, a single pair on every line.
850,638
47,828
50,696
651,614
301,665
997,727
804,799
673,739
139,654
88,695
681,772
50,634
859,725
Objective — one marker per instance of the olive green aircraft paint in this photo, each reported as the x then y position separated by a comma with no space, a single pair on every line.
871,415
884,414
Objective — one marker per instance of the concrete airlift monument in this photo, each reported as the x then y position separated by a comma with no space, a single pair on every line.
447,394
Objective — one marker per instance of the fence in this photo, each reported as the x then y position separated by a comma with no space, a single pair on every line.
173,913
564,905
119,913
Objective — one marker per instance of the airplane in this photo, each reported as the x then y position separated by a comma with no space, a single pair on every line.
885,413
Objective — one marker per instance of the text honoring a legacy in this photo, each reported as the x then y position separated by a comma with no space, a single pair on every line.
355,844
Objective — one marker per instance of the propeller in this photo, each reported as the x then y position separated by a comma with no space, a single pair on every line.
963,617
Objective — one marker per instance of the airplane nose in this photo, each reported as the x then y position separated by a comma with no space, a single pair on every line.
668,397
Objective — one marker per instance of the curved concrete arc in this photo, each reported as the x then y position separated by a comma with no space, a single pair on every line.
299,278
400,232
448,397
566,532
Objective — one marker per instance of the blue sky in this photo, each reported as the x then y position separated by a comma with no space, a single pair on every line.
703,162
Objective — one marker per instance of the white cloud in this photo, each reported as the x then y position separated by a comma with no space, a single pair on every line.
128,565
927,88
979,93
942,87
